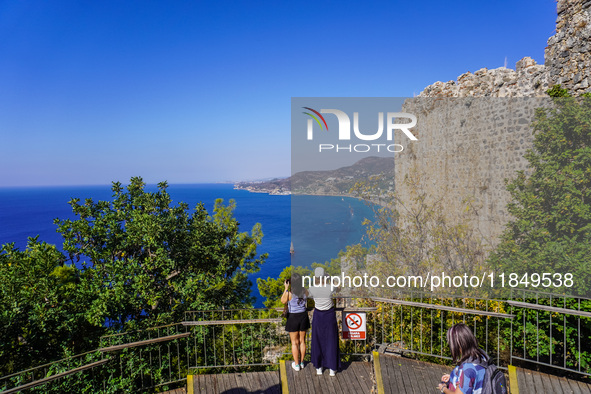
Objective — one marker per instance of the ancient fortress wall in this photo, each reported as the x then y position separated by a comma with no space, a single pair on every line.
473,132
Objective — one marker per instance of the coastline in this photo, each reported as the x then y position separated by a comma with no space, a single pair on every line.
289,193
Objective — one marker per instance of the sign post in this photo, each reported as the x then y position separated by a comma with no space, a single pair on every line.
354,325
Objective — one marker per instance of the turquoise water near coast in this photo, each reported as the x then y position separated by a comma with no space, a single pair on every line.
322,226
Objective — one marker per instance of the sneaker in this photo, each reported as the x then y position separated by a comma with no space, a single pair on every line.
295,366
333,372
302,365
319,371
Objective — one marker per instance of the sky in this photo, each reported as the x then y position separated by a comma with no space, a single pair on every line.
194,92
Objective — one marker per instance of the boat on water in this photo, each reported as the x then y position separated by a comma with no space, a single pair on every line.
291,249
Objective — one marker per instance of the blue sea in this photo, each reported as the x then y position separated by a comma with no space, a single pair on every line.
319,227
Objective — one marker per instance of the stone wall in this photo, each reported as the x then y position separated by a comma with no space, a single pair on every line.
473,132
466,148
567,56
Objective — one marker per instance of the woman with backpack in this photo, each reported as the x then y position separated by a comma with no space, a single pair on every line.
468,376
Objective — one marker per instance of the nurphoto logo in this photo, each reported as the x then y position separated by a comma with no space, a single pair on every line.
344,131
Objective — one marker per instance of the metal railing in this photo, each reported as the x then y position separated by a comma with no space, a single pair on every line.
418,324
236,338
551,330
542,329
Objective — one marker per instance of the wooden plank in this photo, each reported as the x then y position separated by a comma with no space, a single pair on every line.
556,385
265,381
395,376
239,385
197,384
292,379
585,388
236,382
425,382
316,381
261,381
221,383
247,381
524,381
431,376
530,381
355,376
271,381
275,380
410,383
388,375
332,382
322,380
212,383
346,378
363,375
226,385
565,386
217,384
574,387
538,385
546,382
309,376
208,382
396,368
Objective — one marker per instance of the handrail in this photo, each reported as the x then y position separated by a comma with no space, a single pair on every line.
445,308
56,376
547,308
142,343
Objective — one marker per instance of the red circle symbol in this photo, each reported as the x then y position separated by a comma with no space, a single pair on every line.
353,321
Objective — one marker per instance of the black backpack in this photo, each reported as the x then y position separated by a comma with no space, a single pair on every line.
494,379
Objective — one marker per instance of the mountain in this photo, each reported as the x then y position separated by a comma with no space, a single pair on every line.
330,182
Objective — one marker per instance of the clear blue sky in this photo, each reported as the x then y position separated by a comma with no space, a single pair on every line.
190,92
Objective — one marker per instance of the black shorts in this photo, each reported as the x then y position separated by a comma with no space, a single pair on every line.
297,322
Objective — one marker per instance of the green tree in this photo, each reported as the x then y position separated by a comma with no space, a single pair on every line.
41,312
418,235
145,262
551,230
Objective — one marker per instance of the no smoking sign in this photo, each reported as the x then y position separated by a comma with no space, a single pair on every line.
354,325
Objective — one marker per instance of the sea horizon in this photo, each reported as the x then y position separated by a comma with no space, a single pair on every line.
28,211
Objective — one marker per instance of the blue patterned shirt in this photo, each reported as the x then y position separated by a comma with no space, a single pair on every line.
468,377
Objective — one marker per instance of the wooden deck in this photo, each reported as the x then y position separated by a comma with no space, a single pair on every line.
405,375
353,378
236,383
533,382
386,375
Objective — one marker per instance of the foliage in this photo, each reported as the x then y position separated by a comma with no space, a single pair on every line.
41,311
146,262
136,262
557,91
551,230
416,236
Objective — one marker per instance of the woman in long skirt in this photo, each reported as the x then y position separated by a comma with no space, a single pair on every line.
325,332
